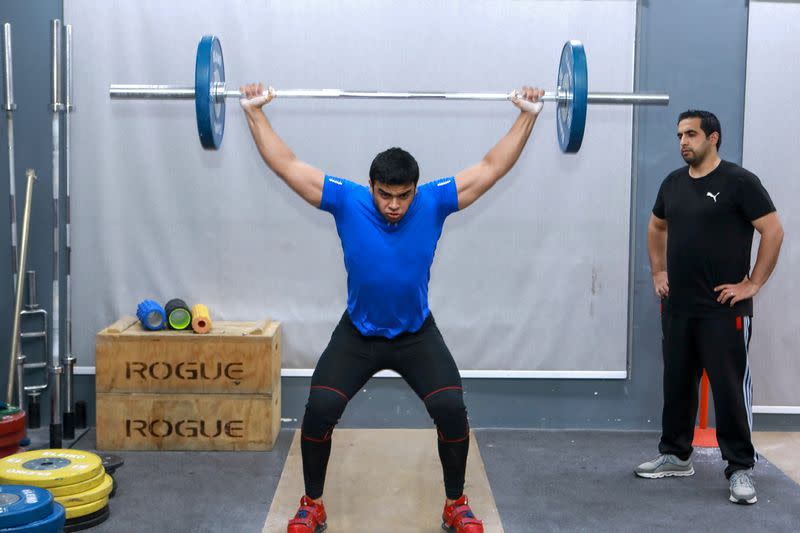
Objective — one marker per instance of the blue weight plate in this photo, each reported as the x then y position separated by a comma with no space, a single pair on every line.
54,523
21,504
209,73
572,82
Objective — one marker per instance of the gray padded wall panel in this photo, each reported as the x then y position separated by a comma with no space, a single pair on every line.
532,278
771,132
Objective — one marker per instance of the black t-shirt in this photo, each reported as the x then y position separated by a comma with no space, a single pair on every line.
709,235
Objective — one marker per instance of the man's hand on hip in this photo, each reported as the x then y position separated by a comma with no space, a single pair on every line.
732,293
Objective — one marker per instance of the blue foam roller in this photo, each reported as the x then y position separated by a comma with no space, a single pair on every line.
151,315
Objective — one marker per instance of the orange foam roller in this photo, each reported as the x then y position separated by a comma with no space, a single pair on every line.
201,319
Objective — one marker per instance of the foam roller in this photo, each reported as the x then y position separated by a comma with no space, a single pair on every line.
151,315
201,320
178,314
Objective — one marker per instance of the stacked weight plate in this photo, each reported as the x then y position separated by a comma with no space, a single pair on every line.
12,430
111,463
76,479
28,509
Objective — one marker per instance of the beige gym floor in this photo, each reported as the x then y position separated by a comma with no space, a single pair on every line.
781,449
359,502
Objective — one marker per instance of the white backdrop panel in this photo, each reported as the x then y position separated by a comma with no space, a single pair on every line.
771,131
534,277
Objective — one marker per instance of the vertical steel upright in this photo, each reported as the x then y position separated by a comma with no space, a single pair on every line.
10,107
69,359
56,428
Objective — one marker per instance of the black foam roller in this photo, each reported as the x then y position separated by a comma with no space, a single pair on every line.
177,307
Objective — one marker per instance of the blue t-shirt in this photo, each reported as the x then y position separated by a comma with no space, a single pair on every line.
388,263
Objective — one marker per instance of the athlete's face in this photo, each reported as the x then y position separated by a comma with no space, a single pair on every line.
392,201
694,144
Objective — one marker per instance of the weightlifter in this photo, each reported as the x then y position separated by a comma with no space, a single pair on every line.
389,231
699,240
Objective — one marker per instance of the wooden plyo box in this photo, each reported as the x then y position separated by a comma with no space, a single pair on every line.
233,422
176,390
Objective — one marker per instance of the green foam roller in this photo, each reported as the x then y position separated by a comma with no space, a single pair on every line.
178,314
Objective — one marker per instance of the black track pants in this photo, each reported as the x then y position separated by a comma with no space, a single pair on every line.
719,345
422,359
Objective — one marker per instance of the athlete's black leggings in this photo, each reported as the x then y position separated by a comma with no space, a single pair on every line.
421,358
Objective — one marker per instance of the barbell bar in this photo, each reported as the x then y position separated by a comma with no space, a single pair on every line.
210,92
185,92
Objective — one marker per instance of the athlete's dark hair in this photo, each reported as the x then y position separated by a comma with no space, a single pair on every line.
394,166
709,122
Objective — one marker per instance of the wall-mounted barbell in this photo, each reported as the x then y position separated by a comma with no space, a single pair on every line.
209,93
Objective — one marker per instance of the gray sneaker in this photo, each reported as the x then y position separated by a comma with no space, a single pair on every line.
665,465
742,488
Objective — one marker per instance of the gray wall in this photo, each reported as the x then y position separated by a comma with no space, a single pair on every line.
232,205
698,58
772,127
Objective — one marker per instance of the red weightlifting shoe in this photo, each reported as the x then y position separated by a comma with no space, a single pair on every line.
310,517
458,518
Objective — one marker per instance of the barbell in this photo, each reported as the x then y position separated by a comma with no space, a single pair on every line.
209,92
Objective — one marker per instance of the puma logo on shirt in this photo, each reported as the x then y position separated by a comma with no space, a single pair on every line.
714,196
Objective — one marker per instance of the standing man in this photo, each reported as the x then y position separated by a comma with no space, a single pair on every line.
388,232
699,239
